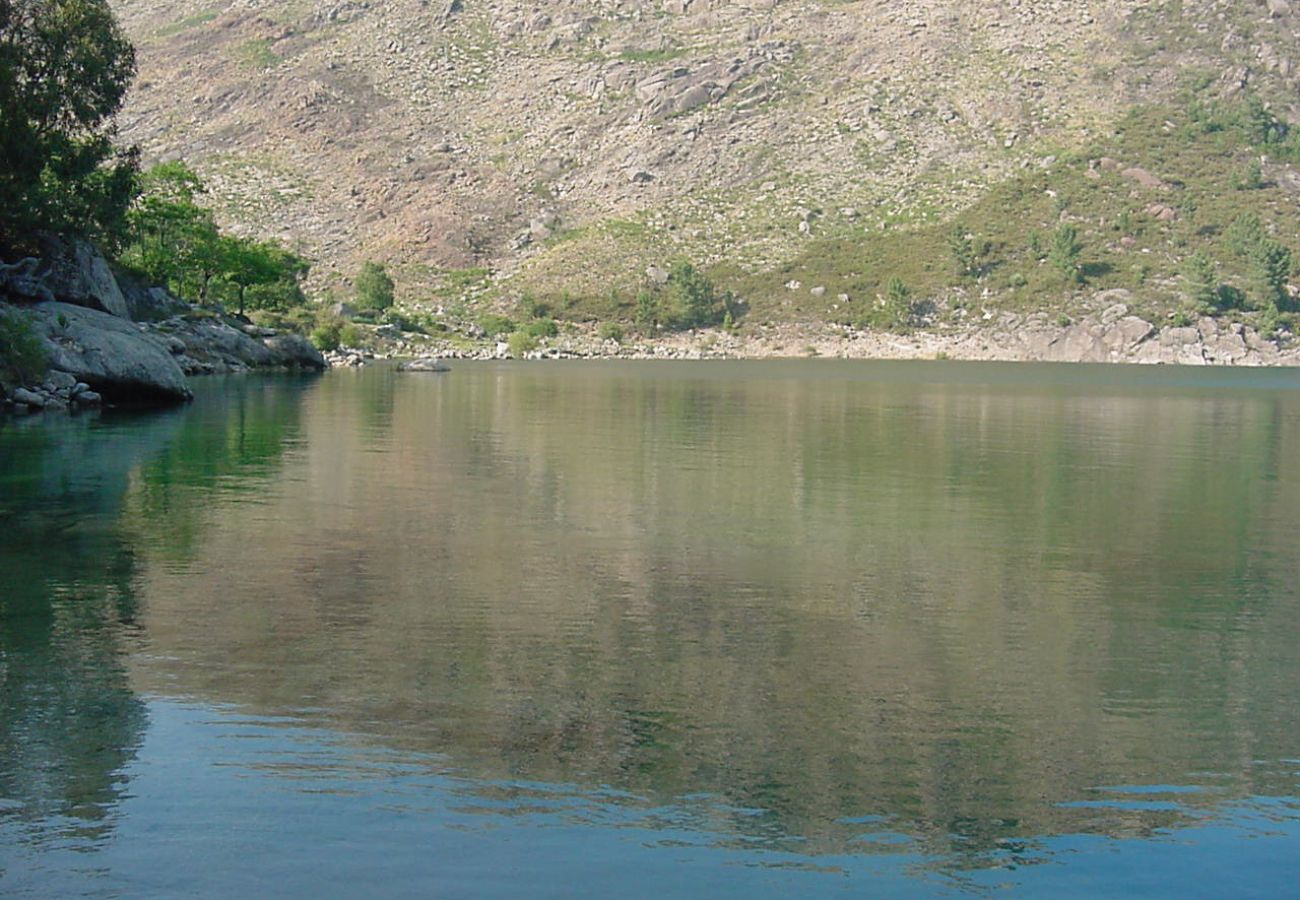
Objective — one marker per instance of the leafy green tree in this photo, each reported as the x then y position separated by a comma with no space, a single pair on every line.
374,288
173,240
263,271
1065,252
65,67
693,302
176,242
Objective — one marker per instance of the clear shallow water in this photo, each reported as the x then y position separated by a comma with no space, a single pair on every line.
710,628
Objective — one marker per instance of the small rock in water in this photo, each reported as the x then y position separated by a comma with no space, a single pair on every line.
424,364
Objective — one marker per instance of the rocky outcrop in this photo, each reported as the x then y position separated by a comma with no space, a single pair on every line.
115,357
147,303
75,272
296,352
213,346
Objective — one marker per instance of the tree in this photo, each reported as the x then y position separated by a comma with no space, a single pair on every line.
1065,252
176,242
374,288
1245,234
898,303
173,240
1201,279
261,271
65,67
962,247
1270,269
692,300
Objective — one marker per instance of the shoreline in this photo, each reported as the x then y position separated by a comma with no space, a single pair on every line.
1110,336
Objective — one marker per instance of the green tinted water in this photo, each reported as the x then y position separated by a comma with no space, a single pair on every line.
701,628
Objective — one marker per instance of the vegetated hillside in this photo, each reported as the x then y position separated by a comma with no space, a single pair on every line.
564,147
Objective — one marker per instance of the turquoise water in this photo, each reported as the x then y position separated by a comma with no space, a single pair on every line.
636,629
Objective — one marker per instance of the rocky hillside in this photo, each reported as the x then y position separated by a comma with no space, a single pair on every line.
566,146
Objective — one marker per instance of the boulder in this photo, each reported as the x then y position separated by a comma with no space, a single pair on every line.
77,273
108,353
30,398
212,346
296,352
150,304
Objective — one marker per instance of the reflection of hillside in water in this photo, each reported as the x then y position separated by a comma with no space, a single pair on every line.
818,596
69,721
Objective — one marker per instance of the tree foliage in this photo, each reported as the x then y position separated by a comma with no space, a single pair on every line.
374,287
65,67
176,242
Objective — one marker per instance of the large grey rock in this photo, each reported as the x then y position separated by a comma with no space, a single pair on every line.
109,353
212,346
150,304
296,352
77,273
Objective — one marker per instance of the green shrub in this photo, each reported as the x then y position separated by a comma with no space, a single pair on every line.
962,247
693,302
521,344
22,353
529,308
899,307
350,336
1065,252
648,310
611,331
494,325
1245,234
326,336
542,328
1270,268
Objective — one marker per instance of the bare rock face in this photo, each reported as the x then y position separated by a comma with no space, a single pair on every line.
110,354
77,273
296,352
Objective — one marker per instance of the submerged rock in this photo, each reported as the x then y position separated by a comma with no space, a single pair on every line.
424,364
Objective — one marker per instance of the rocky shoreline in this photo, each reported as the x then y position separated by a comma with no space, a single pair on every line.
1111,334
108,339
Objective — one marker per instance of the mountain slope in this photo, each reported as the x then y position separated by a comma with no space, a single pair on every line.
573,143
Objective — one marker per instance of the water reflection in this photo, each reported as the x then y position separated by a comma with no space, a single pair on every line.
822,597
72,494
923,613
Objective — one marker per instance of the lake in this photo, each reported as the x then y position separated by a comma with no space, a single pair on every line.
646,629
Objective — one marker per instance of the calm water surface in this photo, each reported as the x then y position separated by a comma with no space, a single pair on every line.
635,629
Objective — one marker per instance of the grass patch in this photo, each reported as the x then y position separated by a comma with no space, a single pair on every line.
257,54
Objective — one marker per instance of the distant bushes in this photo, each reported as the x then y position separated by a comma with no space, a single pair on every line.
686,299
